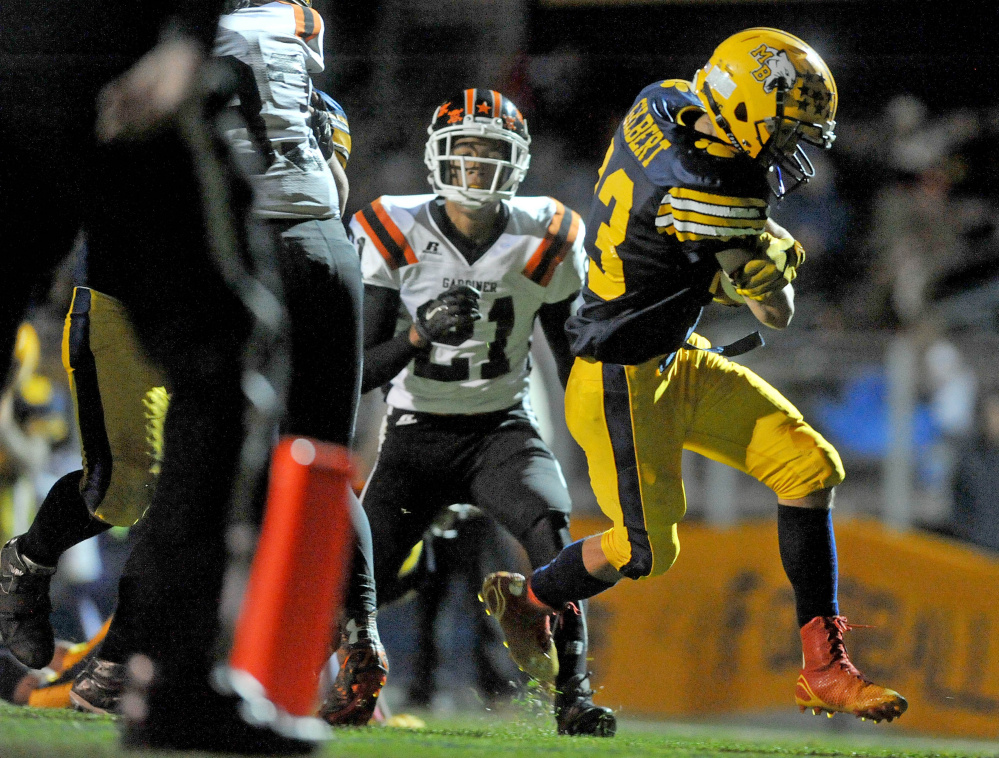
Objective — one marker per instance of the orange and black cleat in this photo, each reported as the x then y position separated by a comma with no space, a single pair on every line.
830,682
526,624
363,671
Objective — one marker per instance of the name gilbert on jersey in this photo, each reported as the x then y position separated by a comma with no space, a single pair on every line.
642,134
482,287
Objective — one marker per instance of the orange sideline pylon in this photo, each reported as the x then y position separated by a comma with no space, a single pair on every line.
298,575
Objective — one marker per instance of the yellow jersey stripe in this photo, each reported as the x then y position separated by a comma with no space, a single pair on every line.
711,220
714,209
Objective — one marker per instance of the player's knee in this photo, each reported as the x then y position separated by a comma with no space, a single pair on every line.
825,469
96,478
629,552
546,537
638,567
834,468
821,468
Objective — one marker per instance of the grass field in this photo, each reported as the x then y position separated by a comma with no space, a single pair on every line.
32,733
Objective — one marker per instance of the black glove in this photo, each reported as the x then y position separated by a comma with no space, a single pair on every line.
449,318
322,125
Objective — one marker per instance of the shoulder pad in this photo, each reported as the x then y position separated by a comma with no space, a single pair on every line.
705,162
560,236
674,100
384,232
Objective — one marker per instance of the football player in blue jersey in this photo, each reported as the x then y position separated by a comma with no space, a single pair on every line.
679,217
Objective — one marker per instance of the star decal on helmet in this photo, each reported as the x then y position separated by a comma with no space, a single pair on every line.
814,93
483,108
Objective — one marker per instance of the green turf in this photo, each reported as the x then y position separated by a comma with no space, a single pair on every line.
32,733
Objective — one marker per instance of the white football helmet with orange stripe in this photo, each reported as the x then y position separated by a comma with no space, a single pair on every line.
485,114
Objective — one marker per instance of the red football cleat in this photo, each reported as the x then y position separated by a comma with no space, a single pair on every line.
830,682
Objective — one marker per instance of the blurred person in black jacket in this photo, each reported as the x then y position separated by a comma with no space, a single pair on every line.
104,131
976,480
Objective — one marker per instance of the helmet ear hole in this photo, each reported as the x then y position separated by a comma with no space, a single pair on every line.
741,113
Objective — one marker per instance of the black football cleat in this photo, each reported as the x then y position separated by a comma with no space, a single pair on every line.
576,714
191,715
99,687
24,607
363,671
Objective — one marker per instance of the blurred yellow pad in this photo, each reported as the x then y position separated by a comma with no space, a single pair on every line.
406,721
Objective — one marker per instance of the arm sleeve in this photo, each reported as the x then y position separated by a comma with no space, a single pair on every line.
553,317
314,42
385,354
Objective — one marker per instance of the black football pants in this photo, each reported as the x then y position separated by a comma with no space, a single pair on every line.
495,461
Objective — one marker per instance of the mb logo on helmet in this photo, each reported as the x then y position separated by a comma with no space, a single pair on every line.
796,104
775,67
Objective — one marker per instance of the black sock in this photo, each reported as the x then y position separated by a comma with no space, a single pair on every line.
570,635
61,522
808,552
565,579
360,599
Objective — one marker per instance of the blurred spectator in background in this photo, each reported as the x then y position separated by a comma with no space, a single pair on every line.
917,225
976,480
951,388
821,221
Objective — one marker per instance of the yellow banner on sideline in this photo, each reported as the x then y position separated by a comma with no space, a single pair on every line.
717,634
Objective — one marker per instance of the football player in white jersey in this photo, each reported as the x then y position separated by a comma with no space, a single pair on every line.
273,47
276,46
470,268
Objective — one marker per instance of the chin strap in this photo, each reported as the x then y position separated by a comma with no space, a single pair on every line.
720,119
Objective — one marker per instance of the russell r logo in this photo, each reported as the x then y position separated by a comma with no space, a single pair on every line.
433,248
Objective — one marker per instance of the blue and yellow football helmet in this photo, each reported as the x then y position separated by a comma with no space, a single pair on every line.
339,142
769,92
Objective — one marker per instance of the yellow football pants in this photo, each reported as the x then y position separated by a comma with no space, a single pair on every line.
120,405
709,405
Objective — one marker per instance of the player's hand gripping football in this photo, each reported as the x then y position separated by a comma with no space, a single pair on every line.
450,317
774,266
